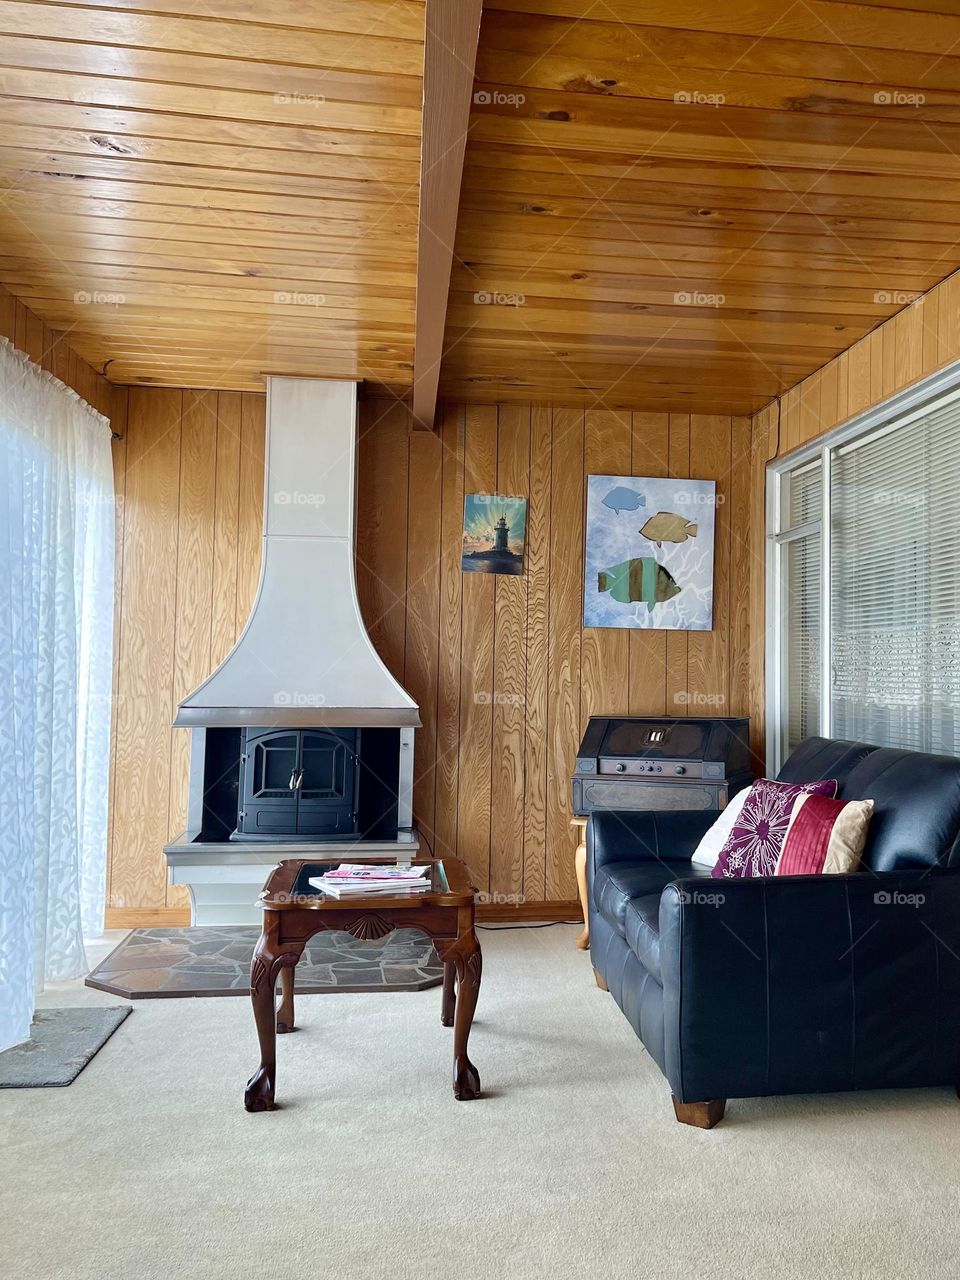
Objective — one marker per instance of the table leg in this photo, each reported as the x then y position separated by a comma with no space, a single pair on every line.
285,1020
580,863
468,964
265,966
448,1007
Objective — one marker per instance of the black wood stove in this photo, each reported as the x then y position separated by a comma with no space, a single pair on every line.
653,762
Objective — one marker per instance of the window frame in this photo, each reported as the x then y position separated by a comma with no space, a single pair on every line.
931,393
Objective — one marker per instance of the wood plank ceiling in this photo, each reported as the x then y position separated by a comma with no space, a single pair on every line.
204,193
694,203
667,204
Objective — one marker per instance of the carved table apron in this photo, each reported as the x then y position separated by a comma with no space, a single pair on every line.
290,920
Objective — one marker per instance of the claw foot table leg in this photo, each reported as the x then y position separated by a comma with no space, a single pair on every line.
468,964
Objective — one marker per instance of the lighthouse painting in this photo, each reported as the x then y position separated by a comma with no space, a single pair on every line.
494,528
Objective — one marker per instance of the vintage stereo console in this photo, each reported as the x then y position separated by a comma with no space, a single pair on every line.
652,762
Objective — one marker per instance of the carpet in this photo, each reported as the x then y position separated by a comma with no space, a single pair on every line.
570,1166
62,1042
214,960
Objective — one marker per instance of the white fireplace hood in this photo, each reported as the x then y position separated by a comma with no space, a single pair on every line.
304,656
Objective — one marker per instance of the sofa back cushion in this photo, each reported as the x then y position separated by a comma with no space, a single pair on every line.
817,758
916,818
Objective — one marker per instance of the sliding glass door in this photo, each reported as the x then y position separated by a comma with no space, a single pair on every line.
864,580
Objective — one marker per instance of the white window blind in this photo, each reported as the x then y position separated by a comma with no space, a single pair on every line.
895,585
801,607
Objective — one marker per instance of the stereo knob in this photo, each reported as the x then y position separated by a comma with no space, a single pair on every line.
679,769
621,767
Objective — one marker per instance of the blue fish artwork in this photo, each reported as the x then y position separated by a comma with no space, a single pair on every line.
624,499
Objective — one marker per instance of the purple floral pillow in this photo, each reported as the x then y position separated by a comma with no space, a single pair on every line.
754,845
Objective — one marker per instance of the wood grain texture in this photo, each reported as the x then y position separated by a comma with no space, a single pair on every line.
496,663
154,142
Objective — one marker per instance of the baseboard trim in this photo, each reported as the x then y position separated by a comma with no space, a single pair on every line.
528,912
146,917
487,913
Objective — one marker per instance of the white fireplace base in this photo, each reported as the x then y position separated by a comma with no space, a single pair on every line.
224,880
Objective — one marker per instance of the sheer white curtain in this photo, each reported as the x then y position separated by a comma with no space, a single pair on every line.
56,640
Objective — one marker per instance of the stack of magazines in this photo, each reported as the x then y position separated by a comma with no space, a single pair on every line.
363,878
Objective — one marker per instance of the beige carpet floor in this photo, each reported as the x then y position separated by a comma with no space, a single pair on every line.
148,1168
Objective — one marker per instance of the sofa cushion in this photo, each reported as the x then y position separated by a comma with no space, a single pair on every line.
615,885
817,758
916,819
642,932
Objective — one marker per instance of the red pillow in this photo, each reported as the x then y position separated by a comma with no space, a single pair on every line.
825,836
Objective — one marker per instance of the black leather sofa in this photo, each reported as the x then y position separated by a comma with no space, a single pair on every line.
793,984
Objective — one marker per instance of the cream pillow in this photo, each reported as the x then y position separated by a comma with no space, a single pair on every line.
708,850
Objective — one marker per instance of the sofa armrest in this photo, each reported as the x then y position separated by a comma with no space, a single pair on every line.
631,835
800,984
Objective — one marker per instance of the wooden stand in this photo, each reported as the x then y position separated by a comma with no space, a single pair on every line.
580,863
702,1115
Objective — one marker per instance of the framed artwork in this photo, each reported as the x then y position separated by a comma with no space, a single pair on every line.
494,529
649,553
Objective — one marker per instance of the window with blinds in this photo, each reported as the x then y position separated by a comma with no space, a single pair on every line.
895,585
800,605
886,533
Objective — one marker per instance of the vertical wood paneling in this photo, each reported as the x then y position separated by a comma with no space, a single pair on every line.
710,453
605,652
194,578
421,657
448,666
382,483
146,658
537,652
476,662
226,527
563,653
501,667
250,533
509,674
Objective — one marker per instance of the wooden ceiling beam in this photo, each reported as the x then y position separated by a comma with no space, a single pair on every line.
449,58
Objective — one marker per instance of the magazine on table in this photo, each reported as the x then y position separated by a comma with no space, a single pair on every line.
361,878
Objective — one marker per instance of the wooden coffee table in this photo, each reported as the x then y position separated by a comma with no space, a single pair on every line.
293,911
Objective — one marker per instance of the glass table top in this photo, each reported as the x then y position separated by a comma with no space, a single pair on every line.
436,877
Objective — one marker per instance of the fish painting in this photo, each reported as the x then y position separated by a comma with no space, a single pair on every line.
641,580
666,526
624,499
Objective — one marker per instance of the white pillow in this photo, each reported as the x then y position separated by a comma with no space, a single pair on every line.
708,850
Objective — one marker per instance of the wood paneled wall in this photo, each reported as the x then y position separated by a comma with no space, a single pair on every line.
503,671
914,343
